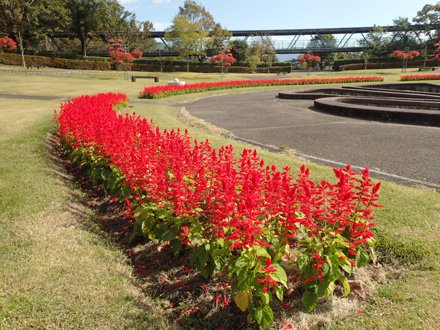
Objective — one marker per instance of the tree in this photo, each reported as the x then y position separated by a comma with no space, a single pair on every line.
17,18
218,38
405,56
120,23
376,41
253,61
118,53
323,41
403,37
136,34
224,58
264,50
195,13
84,19
311,60
186,38
189,31
240,50
429,16
268,51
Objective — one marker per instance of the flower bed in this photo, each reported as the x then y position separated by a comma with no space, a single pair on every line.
262,226
164,91
415,77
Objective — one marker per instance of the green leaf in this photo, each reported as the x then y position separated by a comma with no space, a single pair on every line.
362,258
330,289
347,267
322,287
264,316
176,245
279,293
243,299
325,269
169,235
199,257
217,252
219,262
242,262
261,252
310,300
345,285
301,261
373,255
265,297
280,274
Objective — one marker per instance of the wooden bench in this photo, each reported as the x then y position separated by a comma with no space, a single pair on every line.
427,68
156,78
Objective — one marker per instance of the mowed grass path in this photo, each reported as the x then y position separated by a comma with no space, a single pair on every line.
58,270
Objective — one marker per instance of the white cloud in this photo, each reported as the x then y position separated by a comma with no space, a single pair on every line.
160,2
158,26
127,2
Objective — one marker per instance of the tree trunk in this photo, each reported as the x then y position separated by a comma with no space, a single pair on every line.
20,44
187,63
82,39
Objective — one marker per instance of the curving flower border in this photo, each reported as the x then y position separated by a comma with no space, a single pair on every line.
156,92
415,77
233,214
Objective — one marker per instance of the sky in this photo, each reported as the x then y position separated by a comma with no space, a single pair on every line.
282,14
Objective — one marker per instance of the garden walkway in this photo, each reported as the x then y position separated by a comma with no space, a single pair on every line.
402,153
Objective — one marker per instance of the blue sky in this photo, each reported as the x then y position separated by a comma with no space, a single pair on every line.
282,14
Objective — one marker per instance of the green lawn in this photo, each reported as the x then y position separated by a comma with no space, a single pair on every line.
58,270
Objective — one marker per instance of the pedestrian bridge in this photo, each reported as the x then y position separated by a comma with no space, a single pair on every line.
295,41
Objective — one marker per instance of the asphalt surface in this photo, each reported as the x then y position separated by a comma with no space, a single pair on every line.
406,153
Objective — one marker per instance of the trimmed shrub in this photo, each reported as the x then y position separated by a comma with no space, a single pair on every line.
380,63
62,63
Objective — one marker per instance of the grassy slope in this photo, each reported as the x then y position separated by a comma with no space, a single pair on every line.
60,272
56,270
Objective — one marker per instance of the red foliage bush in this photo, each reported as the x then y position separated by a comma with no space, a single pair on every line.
309,58
223,58
7,44
402,55
118,53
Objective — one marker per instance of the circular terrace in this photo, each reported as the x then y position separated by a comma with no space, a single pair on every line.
408,103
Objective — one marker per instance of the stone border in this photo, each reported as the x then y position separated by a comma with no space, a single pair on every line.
421,114
409,103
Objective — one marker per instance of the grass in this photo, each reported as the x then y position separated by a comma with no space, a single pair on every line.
59,270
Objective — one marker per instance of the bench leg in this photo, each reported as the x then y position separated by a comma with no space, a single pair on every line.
156,79
133,79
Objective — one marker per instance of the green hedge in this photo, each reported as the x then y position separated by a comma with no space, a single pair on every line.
150,65
202,67
380,63
72,56
62,63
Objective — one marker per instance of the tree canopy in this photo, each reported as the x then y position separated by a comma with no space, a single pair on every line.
34,19
194,32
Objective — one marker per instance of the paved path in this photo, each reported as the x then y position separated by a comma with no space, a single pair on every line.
399,152
30,97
